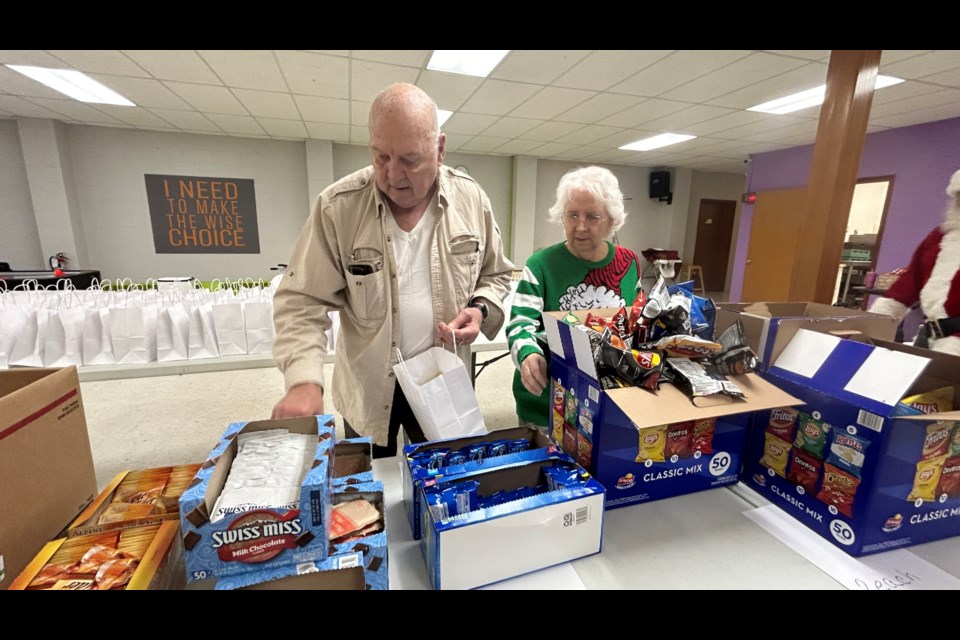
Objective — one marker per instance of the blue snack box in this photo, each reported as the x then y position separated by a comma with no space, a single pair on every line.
898,453
513,538
262,538
372,547
413,474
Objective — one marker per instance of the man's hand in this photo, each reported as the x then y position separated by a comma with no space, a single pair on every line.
464,329
304,399
533,373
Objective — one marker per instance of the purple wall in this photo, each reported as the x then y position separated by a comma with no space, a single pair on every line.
921,159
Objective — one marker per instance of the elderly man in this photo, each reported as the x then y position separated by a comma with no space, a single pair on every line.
408,250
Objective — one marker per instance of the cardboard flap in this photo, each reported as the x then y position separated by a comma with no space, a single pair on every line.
670,405
570,343
877,377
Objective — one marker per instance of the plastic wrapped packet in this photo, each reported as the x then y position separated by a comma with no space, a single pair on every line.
699,379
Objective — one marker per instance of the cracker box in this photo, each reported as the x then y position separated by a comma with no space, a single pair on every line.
131,559
855,463
414,468
373,544
503,541
263,537
640,444
47,475
352,461
135,498
769,326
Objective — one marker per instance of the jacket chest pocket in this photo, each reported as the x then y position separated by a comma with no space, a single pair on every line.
464,255
366,284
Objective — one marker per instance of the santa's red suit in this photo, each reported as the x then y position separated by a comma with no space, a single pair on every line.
933,276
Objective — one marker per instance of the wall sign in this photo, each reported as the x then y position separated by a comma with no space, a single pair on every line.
193,214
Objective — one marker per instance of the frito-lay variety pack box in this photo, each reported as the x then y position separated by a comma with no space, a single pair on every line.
133,498
498,523
769,326
455,456
646,445
871,461
233,521
47,475
131,559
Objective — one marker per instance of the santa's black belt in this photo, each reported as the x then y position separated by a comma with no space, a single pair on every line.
942,327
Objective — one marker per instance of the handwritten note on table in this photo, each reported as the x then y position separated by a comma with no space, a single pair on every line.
887,571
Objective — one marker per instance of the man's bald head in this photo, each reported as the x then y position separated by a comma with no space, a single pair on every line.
408,103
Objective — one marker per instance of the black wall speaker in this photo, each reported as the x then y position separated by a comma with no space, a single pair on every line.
659,184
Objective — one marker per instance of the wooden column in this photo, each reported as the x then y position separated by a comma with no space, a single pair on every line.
851,77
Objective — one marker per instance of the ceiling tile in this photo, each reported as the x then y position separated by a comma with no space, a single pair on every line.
457,140
33,58
135,116
246,69
931,114
676,69
793,81
186,120
109,62
328,131
732,120
552,149
508,127
681,121
921,66
928,100
175,65
644,112
268,104
498,97
579,152
589,134
624,136
329,110
20,107
242,125
315,75
79,111
598,107
949,78
549,131
469,123
448,90
733,77
603,69
519,147
902,91
822,55
283,128
539,67
411,58
144,93
483,144
367,79
16,83
206,98
551,101
761,129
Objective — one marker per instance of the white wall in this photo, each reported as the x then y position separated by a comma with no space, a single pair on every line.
108,170
713,186
19,239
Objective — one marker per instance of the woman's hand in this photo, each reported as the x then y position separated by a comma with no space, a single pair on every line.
533,373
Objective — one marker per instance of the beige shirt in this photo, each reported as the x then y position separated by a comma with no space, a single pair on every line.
348,228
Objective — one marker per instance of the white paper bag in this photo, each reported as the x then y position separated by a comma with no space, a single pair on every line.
134,334
97,341
203,340
258,325
64,338
438,389
229,328
28,347
173,333
12,320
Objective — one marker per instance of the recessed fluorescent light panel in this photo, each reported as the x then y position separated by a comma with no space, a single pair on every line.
662,140
442,116
470,63
811,98
77,85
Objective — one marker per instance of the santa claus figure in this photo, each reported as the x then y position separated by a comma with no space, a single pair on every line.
933,278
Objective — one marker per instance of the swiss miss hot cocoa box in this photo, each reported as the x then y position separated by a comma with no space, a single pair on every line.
262,498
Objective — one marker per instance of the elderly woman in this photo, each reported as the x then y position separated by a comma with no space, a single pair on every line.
584,272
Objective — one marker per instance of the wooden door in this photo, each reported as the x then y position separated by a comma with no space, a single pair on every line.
773,245
712,250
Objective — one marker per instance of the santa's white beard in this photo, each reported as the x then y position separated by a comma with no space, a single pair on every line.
951,218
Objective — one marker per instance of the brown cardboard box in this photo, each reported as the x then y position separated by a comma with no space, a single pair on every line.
46,466
769,326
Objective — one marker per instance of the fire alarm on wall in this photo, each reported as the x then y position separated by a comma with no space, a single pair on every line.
749,198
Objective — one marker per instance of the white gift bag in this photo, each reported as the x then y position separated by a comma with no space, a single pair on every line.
97,338
64,337
173,333
258,325
12,320
134,334
28,347
229,328
438,389
202,340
